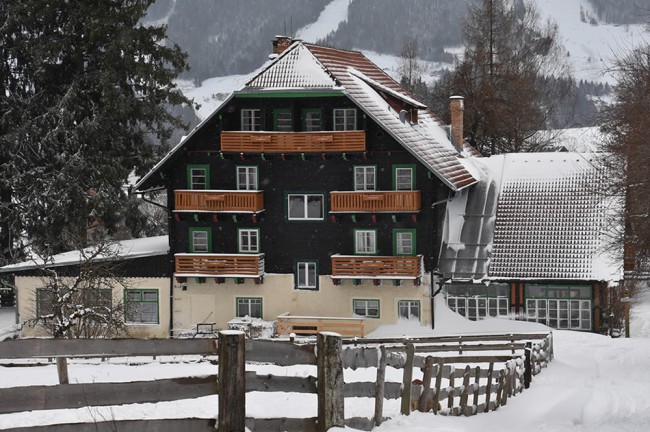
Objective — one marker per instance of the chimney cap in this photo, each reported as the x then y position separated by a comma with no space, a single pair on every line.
456,97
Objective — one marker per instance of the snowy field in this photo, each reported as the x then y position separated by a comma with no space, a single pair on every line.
595,383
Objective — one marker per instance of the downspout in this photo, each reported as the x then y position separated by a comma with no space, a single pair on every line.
434,273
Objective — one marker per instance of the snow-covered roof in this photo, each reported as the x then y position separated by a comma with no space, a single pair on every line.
312,67
579,140
535,216
125,249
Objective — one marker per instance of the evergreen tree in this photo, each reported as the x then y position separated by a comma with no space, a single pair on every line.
507,55
83,90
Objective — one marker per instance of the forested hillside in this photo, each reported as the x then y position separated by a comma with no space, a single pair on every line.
622,11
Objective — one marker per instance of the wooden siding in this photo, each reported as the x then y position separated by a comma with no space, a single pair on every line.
288,142
375,201
219,265
407,267
219,201
312,325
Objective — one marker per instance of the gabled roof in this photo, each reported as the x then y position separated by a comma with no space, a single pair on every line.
311,67
533,216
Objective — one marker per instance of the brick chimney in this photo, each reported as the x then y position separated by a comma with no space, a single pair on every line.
456,107
281,43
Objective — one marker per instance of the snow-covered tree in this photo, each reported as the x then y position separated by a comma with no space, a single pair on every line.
80,301
83,93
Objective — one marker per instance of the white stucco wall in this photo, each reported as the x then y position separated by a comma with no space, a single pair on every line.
26,287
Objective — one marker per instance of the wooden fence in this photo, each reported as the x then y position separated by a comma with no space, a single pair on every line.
444,388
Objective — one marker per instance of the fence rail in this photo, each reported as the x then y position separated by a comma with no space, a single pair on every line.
451,383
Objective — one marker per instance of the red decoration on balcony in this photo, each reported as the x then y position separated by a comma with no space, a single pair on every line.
365,155
333,218
414,217
215,218
323,156
177,217
283,157
374,218
336,281
376,282
254,218
241,156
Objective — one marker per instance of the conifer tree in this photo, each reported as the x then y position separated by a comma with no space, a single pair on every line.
83,90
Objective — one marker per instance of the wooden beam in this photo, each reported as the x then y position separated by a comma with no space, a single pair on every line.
232,382
331,407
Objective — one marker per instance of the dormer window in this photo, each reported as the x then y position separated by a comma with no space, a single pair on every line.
345,119
251,120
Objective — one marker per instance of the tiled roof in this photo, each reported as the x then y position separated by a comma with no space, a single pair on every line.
549,222
315,66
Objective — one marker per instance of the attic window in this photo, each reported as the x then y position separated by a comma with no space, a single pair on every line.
250,120
345,119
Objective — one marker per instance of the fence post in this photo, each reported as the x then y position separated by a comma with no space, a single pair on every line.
379,386
465,393
527,365
331,404
436,396
477,378
488,387
232,384
424,404
62,370
408,379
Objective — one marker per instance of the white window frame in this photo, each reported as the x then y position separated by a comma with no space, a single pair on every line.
408,305
195,173
251,120
313,120
400,239
283,120
306,275
361,181
246,238
365,306
200,238
250,178
249,303
305,211
365,242
399,179
345,119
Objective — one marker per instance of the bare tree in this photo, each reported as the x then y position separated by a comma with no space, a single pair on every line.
508,53
627,156
80,303
410,68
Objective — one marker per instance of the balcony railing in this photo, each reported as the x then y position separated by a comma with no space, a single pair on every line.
219,201
376,267
375,201
312,325
290,142
219,265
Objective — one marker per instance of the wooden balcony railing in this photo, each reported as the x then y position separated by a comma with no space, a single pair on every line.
219,265
377,267
219,201
375,201
298,142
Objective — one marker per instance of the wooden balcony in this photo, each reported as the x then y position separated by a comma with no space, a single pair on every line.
219,265
376,267
219,201
375,201
293,142
312,325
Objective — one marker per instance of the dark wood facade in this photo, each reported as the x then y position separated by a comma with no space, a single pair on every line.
280,173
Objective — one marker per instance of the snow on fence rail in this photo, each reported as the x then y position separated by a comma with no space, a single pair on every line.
455,381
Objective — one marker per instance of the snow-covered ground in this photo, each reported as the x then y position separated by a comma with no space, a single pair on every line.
595,383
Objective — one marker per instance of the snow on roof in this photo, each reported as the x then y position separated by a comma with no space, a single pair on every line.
311,67
126,249
532,216
579,140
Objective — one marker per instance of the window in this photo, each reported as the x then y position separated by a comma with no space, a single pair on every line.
403,178
306,275
409,309
250,307
251,120
200,240
366,308
365,178
477,301
44,300
88,297
198,176
559,306
311,120
365,242
282,120
306,206
345,119
404,242
142,306
246,178
249,240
